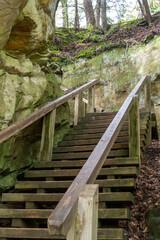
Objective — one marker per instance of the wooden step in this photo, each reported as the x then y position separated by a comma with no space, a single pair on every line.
55,197
110,183
104,124
112,234
110,213
96,135
90,136
120,171
114,213
25,213
85,155
42,233
93,125
80,163
88,141
87,148
92,130
27,233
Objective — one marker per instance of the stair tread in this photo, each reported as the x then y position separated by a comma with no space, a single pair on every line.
80,163
42,233
127,182
85,155
112,234
54,197
73,172
112,213
87,148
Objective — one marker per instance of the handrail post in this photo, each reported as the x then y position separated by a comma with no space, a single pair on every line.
78,108
134,130
47,136
147,93
91,99
85,224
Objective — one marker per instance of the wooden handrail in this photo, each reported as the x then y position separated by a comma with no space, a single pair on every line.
61,219
33,117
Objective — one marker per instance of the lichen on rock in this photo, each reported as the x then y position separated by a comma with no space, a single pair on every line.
25,84
119,70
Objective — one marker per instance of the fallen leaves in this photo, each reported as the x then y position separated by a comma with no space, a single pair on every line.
147,193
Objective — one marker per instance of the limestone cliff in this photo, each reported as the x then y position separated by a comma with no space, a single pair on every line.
26,29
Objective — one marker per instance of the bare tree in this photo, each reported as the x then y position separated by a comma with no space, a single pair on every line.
88,8
98,12
144,6
65,13
104,15
76,20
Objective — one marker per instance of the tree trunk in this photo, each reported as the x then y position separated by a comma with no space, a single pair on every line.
88,8
65,13
104,15
145,10
142,8
76,20
98,11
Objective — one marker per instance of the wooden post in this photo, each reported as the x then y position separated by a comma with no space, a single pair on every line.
47,136
85,225
134,130
91,100
147,93
78,108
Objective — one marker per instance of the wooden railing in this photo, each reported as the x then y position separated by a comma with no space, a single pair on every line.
48,113
61,220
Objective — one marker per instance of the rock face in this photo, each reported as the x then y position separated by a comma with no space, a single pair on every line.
26,27
118,70
9,11
28,24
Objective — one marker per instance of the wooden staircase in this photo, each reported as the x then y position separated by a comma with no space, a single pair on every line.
40,188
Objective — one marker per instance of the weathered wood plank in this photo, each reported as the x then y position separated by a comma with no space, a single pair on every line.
88,141
91,99
55,197
78,108
42,233
84,155
127,182
80,163
23,233
24,213
121,171
90,136
93,130
31,197
87,148
114,213
87,215
47,136
134,130
112,234
147,91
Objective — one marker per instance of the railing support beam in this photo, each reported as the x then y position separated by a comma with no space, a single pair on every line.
78,108
47,136
85,224
147,94
91,100
134,130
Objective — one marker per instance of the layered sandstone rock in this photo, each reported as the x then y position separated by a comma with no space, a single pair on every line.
26,27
